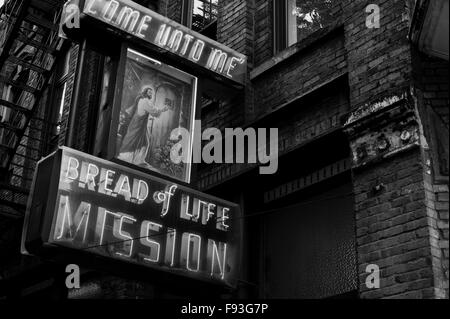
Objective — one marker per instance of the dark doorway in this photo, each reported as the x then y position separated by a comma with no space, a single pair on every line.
309,247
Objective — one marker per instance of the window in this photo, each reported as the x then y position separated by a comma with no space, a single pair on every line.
201,16
204,13
294,20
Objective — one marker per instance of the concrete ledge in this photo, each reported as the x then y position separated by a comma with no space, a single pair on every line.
291,51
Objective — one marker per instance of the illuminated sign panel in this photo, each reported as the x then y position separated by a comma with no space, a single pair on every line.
157,100
113,211
156,29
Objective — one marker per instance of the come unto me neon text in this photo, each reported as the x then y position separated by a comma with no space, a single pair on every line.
169,35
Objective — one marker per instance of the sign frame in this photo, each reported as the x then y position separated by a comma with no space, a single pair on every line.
117,105
41,214
216,58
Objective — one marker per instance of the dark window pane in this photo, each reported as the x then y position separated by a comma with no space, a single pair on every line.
204,13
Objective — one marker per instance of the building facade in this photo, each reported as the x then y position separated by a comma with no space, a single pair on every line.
358,91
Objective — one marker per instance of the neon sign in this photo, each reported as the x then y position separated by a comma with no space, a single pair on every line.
173,37
113,211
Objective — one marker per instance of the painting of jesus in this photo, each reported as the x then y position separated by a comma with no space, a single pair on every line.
156,100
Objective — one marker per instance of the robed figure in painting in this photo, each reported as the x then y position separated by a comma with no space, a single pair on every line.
156,100
137,140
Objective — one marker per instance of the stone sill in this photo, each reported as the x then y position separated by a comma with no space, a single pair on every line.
381,158
250,167
325,83
295,49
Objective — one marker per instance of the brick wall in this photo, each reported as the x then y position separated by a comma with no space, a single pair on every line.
226,113
403,228
235,26
437,211
171,9
396,229
263,17
379,60
392,228
311,117
300,73
314,64
431,87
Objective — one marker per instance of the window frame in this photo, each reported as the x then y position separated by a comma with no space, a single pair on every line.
281,26
187,10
